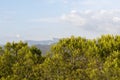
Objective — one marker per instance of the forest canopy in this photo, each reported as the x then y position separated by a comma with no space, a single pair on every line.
73,58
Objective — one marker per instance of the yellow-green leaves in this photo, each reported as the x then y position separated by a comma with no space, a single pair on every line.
72,58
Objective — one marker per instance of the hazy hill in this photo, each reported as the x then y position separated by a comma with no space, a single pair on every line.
44,45
43,42
43,48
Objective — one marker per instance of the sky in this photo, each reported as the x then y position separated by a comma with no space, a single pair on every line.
47,19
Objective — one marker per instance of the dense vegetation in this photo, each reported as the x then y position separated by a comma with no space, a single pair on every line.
69,59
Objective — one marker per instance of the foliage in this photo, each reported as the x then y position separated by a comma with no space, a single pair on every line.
72,58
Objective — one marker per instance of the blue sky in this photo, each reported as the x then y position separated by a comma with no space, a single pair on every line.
46,19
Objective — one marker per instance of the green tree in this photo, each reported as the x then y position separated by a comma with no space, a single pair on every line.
18,60
112,66
72,58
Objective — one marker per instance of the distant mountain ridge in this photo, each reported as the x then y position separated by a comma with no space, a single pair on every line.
43,42
43,45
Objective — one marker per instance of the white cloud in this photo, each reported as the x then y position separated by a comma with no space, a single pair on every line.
88,11
73,11
17,36
73,18
116,19
99,21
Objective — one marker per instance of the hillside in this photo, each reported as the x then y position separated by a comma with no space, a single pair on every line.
44,48
43,45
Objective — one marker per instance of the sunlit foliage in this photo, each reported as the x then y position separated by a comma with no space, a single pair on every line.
72,58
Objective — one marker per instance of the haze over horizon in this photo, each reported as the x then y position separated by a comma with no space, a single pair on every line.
46,19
